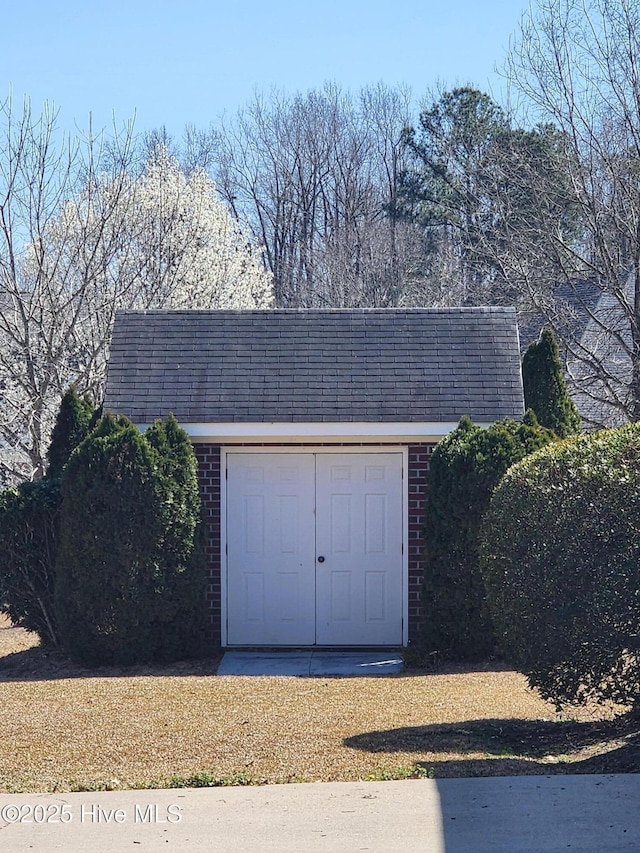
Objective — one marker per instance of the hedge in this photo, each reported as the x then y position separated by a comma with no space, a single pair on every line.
465,468
29,521
131,574
561,564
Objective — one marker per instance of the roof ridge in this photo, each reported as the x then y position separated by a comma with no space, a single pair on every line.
300,311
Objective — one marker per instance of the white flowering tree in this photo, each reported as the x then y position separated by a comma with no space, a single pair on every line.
182,247
82,235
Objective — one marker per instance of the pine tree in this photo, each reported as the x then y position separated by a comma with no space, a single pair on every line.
545,389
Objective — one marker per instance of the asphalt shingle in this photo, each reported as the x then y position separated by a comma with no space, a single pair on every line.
397,365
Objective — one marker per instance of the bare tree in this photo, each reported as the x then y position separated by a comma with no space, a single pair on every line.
84,232
43,300
317,177
576,64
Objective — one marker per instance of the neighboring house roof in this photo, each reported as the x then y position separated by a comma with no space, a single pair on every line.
569,308
579,298
593,333
599,368
414,365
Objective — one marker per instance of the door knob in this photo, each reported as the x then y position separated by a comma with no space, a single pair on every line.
321,559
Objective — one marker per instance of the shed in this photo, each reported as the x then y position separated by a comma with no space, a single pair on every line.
313,430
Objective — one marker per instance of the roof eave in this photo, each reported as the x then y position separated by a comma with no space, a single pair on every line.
351,432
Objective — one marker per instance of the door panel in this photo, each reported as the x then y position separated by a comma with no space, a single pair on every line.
270,549
359,534
284,511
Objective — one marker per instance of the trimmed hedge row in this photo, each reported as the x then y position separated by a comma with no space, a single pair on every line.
106,559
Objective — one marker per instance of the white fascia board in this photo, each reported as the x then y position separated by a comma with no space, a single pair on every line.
353,431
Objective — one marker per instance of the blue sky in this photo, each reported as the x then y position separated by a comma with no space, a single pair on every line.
170,63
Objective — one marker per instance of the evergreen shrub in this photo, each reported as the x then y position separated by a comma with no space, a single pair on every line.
77,416
131,574
465,468
180,612
561,563
29,521
545,388
29,528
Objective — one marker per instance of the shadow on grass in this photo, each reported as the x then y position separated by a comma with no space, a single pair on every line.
516,747
39,664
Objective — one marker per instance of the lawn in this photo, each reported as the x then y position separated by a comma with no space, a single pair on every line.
65,728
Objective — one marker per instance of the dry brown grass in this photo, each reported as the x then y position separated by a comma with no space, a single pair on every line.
63,727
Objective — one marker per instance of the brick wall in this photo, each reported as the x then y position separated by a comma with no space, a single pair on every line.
208,456
419,455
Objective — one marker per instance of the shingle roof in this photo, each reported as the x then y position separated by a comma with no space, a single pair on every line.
397,365
599,366
570,309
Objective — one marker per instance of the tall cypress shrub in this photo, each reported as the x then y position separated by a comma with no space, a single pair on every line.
76,418
465,468
180,610
130,574
545,389
109,528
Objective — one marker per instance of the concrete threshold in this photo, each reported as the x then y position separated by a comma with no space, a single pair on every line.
311,662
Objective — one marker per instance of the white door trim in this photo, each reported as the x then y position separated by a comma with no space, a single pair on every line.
371,448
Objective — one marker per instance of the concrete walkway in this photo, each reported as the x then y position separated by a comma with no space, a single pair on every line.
311,662
537,814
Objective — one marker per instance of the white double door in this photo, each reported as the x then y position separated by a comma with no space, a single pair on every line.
314,548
